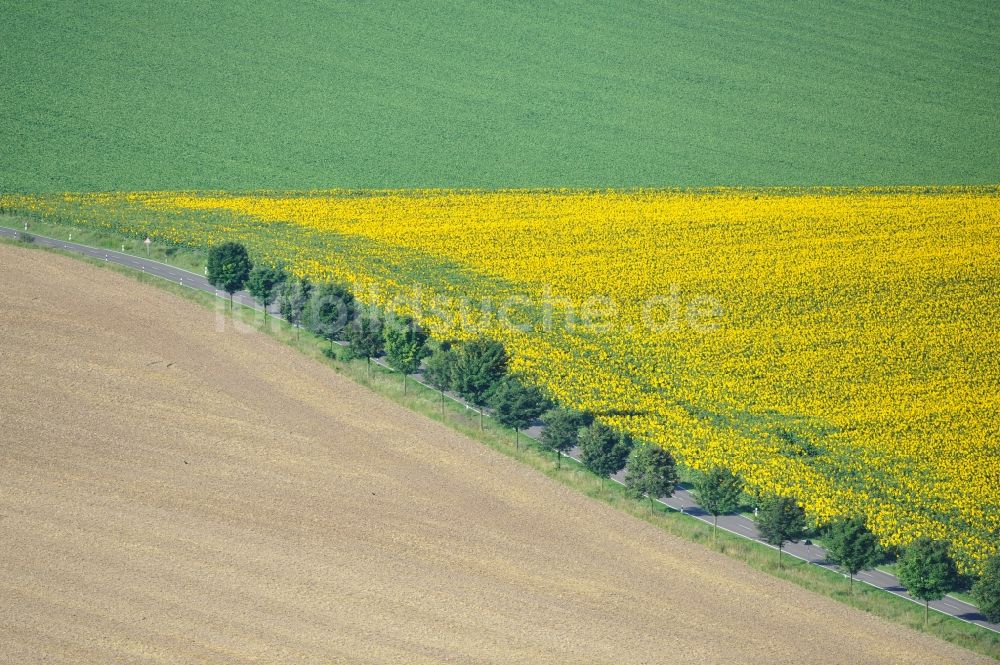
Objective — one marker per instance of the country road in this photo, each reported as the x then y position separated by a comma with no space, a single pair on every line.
682,500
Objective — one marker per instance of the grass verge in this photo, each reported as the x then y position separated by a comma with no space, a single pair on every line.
570,473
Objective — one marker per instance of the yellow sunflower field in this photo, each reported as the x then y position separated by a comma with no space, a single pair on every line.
841,346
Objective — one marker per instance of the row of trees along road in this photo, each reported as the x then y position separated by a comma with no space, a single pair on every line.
477,370
650,471
925,567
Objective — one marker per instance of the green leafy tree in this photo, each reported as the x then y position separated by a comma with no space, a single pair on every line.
229,267
439,370
561,430
652,471
516,405
604,450
292,299
329,311
480,365
405,346
366,338
852,546
781,520
927,571
986,590
719,492
263,284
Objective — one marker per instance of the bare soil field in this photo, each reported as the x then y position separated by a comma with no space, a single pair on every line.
173,493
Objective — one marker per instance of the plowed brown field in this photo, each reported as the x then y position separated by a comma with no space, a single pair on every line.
171,493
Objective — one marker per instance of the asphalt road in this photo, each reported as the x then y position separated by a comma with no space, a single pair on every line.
682,500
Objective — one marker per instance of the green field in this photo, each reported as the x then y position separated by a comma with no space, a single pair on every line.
178,95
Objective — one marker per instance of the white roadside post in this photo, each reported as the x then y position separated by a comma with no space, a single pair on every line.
147,242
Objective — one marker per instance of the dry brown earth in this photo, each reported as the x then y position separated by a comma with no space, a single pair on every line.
173,494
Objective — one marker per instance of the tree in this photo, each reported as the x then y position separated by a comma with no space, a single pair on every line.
263,283
292,300
603,450
329,311
781,520
852,546
986,590
927,571
516,405
719,492
366,338
229,267
561,430
480,365
405,346
652,471
439,370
